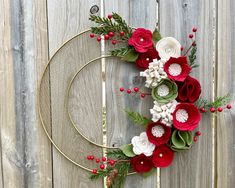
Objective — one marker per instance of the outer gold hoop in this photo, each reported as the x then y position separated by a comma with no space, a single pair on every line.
40,111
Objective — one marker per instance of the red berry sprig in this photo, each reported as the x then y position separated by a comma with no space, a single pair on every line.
197,134
135,90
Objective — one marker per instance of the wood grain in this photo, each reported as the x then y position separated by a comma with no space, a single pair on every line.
86,95
225,83
26,158
193,168
120,129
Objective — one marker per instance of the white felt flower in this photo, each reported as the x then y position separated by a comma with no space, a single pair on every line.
168,47
141,145
163,112
155,73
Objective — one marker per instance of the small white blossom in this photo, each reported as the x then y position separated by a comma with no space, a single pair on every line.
141,145
168,47
155,73
163,112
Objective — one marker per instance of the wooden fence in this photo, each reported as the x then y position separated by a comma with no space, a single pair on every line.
30,33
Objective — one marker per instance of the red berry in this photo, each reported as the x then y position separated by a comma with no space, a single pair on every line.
181,48
194,44
106,37
88,157
194,29
203,110
212,109
122,33
190,36
114,42
98,39
94,171
110,16
128,91
142,95
104,159
136,89
220,109
97,160
122,89
102,166
111,34
229,106
92,157
92,35
111,162
195,139
198,133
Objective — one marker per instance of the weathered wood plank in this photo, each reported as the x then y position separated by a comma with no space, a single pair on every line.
120,129
25,148
193,168
85,98
226,83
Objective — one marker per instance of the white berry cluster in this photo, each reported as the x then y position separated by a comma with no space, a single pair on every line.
154,73
163,112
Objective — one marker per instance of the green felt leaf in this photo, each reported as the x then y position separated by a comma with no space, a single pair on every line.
177,140
190,138
131,55
147,174
128,150
156,35
138,118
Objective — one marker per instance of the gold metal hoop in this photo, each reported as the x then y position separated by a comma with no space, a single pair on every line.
40,110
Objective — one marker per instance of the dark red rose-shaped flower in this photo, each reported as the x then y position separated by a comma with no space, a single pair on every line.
186,117
162,156
145,58
189,90
177,69
141,163
158,133
141,40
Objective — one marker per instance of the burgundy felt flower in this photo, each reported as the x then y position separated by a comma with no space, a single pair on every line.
141,163
177,69
158,133
162,156
145,58
186,117
189,90
141,40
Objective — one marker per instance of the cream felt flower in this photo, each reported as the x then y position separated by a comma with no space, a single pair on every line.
168,47
141,145
155,73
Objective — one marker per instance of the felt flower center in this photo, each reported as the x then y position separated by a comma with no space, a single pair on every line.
141,39
158,131
175,69
181,115
163,90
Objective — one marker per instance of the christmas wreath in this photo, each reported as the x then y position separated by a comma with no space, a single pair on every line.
177,104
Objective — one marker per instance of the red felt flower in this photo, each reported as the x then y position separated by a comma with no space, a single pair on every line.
158,133
141,163
162,156
145,58
186,117
189,90
177,69
141,40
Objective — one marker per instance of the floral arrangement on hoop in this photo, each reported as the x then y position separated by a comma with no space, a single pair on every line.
177,105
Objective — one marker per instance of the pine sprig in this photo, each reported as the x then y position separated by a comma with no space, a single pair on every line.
192,57
120,52
101,173
105,25
137,118
220,101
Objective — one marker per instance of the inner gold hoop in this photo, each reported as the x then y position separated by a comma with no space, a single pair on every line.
67,98
40,110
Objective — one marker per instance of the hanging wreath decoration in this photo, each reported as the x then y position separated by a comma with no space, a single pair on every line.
177,104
